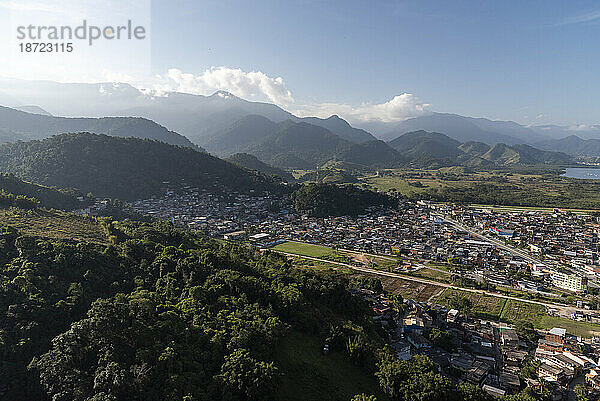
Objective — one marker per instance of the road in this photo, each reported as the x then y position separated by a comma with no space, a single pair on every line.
566,310
493,241
512,249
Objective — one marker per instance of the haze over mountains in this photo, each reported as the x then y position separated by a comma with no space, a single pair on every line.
273,140
18,125
198,117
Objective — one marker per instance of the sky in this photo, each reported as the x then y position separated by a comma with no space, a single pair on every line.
534,62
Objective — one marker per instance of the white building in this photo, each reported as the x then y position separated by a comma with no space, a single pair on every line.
569,282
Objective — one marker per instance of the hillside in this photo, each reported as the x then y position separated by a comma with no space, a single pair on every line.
125,168
251,162
19,125
341,128
240,135
426,147
430,149
48,197
305,146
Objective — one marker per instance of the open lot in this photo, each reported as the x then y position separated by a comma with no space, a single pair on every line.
54,224
483,306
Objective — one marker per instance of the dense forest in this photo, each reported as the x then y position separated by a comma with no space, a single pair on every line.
323,200
124,168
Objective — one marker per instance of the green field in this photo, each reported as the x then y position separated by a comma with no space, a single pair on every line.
299,248
308,375
515,311
54,224
432,274
343,256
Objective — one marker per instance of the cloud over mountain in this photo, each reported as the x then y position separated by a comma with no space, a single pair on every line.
399,108
252,85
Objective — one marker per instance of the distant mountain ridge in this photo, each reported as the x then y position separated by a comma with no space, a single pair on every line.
573,145
20,125
201,117
427,149
463,129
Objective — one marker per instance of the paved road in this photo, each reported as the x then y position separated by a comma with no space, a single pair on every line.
498,243
566,310
512,249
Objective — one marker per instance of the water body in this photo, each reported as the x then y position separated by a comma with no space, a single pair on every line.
583,173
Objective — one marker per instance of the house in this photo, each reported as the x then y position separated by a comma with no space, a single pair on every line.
494,391
418,341
509,381
556,335
452,315
509,338
402,350
478,372
550,373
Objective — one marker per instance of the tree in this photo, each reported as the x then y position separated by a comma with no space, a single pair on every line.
247,377
363,397
580,392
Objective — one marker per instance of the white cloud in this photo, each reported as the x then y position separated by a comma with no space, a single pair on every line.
257,86
254,85
584,18
399,108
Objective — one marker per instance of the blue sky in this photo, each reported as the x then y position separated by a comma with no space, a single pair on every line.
534,62
505,60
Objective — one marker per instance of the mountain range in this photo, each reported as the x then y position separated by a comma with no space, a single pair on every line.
225,124
18,125
198,117
430,149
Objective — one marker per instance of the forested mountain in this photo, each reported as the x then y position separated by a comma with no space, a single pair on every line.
251,162
341,128
19,125
125,168
427,147
243,133
461,128
305,146
430,149
572,145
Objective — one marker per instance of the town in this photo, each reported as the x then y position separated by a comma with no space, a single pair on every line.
550,256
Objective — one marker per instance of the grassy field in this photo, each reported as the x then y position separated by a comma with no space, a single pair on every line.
54,224
432,274
410,289
484,306
299,248
515,311
307,374
344,256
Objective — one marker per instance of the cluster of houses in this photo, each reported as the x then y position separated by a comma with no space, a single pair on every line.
416,230
214,213
563,238
487,354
